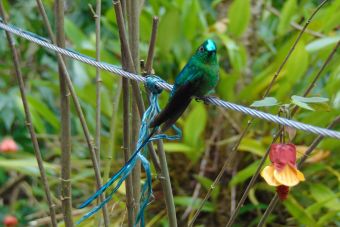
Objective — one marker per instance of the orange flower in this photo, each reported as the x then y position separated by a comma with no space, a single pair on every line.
282,171
8,145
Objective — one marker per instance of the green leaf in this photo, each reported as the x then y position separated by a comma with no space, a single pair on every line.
239,17
287,14
309,99
296,66
302,105
194,125
268,101
76,35
328,199
169,29
44,112
298,212
244,174
252,146
236,52
177,147
321,193
329,216
302,101
8,115
185,201
322,43
27,166
191,23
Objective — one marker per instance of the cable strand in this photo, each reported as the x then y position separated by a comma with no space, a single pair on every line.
118,71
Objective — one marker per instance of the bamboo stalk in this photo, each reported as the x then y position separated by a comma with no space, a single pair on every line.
127,64
29,122
133,34
80,113
65,136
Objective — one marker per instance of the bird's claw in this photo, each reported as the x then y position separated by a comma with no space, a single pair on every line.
205,99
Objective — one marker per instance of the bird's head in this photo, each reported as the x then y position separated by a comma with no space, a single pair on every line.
207,51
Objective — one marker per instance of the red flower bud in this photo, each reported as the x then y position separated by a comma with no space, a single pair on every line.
8,145
10,221
282,192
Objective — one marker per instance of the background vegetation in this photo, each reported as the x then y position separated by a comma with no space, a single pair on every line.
253,37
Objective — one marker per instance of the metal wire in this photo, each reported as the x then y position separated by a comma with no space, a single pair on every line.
118,71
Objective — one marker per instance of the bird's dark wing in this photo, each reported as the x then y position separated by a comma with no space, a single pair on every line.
177,104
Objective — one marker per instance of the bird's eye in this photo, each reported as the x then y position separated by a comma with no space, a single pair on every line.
201,49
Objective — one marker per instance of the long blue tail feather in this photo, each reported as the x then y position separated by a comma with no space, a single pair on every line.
144,138
116,175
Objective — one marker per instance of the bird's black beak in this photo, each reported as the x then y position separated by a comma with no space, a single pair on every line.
211,53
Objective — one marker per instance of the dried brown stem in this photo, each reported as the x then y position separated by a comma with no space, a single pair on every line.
80,113
152,45
133,34
29,123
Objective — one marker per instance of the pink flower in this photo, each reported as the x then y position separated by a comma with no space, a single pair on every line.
282,173
8,145
10,221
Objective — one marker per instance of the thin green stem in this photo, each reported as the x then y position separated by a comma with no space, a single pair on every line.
98,80
110,150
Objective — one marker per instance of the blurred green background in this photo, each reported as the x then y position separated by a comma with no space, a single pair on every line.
253,37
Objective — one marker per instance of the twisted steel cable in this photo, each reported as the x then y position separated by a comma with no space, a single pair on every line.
118,71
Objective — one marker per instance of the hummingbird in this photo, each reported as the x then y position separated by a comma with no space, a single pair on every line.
197,78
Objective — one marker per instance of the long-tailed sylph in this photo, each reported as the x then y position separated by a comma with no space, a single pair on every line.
198,77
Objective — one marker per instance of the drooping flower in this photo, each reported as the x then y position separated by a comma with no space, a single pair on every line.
282,173
8,145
